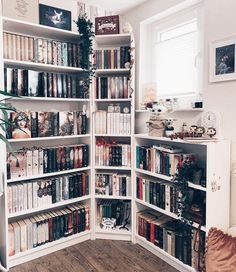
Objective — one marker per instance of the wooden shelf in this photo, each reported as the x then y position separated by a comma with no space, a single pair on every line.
48,207
170,214
171,142
116,168
175,110
41,66
30,29
113,40
49,174
160,176
112,71
116,234
113,197
164,177
48,248
107,100
112,135
49,99
197,187
180,266
49,138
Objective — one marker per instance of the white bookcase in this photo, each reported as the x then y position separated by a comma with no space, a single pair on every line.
42,104
214,157
103,42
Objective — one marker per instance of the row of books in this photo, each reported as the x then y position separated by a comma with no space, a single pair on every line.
24,48
23,82
112,87
161,194
172,236
47,227
113,184
167,196
38,161
157,160
44,192
46,124
114,58
112,122
112,213
112,154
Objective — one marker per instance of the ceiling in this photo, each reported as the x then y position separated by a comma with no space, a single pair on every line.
116,6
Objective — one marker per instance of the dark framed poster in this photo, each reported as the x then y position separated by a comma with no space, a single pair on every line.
107,25
54,17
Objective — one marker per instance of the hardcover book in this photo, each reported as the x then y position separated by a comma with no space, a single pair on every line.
22,125
45,124
33,83
66,123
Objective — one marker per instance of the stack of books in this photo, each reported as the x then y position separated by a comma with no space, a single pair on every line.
47,227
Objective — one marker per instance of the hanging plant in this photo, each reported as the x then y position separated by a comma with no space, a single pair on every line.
85,27
183,175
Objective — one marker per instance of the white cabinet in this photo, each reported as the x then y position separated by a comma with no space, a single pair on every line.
66,103
113,127
214,158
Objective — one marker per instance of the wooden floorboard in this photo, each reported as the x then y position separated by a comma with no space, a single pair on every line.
98,256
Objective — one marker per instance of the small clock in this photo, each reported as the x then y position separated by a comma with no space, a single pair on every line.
212,119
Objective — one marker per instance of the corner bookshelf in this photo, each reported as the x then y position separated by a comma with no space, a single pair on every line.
214,158
47,104
105,49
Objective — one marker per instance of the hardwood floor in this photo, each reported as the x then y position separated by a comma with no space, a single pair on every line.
98,256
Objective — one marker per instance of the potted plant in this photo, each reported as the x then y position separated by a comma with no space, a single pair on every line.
5,108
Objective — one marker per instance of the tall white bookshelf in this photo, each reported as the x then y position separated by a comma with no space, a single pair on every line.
43,104
112,42
214,157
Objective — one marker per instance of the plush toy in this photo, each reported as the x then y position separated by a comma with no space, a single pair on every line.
156,123
169,128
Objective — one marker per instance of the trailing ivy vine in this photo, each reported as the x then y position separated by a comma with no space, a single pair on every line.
183,175
85,28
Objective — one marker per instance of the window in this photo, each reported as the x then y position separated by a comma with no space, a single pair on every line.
175,52
171,55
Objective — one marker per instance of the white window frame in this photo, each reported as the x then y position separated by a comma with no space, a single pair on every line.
168,19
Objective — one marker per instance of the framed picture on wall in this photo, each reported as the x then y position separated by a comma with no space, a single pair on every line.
107,25
54,17
222,60
23,10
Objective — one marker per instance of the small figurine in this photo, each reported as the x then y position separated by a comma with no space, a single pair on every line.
211,132
200,131
169,128
192,131
156,123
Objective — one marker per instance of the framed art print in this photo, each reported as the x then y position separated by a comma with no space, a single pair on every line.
23,10
222,60
107,25
54,17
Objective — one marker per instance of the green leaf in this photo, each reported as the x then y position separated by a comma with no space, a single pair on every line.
8,94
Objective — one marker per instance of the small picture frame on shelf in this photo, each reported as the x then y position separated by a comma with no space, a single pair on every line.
107,25
222,60
54,17
25,10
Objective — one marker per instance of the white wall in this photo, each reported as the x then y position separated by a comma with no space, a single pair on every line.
220,21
